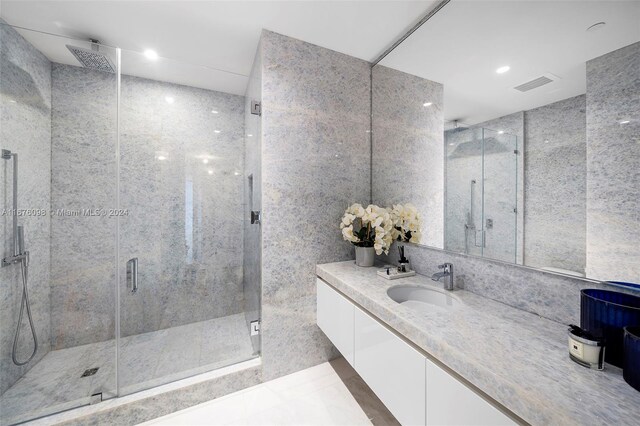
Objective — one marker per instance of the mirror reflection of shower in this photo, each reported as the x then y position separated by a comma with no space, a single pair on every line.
21,256
480,191
470,225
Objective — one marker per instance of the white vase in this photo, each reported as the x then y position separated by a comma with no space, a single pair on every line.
365,256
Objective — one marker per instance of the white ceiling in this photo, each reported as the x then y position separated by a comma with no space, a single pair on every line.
210,44
464,43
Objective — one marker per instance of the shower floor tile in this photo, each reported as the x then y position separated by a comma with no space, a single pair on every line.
146,360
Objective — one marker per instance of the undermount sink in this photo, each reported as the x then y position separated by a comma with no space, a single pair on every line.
422,298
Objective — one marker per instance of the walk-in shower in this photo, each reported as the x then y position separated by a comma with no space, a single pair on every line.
481,192
20,256
143,266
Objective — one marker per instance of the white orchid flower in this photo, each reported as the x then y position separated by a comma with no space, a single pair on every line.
347,234
356,209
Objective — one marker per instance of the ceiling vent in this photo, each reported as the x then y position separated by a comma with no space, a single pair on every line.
533,84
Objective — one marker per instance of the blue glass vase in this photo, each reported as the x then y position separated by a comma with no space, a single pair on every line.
631,364
604,314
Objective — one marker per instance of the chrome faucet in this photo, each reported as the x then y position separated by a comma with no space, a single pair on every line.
447,274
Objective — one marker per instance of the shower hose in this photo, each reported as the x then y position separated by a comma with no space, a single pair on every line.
24,267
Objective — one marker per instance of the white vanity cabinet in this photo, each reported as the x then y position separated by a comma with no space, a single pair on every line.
449,402
411,386
392,369
335,319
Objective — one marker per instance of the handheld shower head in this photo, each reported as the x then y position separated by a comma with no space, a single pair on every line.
20,239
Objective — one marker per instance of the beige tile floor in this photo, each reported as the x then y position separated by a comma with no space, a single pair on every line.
55,384
327,394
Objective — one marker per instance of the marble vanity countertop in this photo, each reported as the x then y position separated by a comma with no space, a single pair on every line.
519,359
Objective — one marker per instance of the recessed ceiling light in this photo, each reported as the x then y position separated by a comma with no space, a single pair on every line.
213,111
451,144
500,132
249,135
210,171
151,54
597,26
237,173
205,161
169,99
426,104
624,121
546,141
216,131
161,157
503,69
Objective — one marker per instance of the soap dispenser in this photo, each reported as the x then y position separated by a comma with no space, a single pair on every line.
403,263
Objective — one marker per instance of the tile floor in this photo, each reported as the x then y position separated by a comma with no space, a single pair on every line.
327,394
150,359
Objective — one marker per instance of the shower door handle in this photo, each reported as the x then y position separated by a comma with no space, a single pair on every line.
132,274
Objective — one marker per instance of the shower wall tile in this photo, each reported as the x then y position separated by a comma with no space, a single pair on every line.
408,148
555,185
613,165
315,163
252,278
25,128
182,216
83,144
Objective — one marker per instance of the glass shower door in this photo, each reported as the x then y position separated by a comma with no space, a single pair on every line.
181,223
481,192
499,221
58,120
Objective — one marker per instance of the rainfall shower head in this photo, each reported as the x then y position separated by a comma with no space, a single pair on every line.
92,58
456,127
476,147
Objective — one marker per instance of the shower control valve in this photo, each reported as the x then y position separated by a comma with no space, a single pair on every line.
11,260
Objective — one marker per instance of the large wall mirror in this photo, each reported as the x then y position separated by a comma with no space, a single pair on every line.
514,127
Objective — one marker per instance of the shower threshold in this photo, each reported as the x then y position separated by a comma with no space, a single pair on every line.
56,383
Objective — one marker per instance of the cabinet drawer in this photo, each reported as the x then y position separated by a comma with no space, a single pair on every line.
335,319
392,369
451,403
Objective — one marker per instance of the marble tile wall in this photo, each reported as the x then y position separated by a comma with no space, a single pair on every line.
613,165
25,128
555,185
407,146
183,216
315,162
252,277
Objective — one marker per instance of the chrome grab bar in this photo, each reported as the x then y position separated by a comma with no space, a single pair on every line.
132,274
